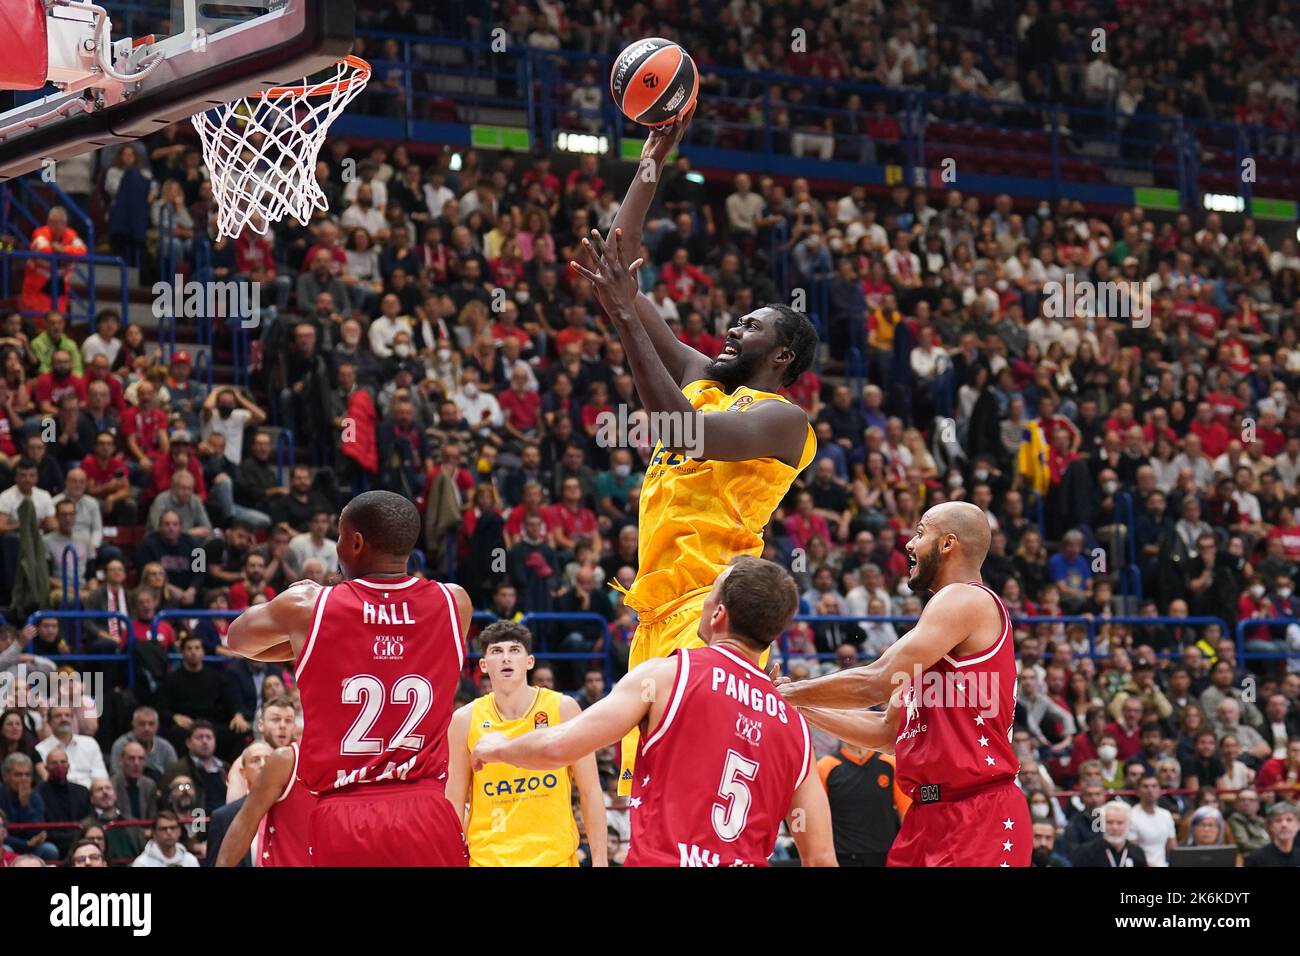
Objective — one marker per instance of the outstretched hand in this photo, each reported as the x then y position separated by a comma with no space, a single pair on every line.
662,140
613,279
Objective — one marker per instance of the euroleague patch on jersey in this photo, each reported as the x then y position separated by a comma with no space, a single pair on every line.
541,720
742,402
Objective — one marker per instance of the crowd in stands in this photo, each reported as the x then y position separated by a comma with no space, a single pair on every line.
427,336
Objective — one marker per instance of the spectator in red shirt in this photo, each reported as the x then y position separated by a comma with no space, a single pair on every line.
99,370
180,455
1060,455
144,426
449,459
252,583
521,407
507,326
1127,731
805,524
1213,433
596,405
531,505
683,279
144,602
574,331
109,480
697,336
570,521
1281,774
57,382
1206,316
541,174
1289,532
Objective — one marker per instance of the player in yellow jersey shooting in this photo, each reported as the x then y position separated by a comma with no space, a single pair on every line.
515,817
727,444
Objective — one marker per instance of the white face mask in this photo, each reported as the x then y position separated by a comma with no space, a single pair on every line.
1040,811
444,355
521,297
981,474
622,471
1107,754
1110,487
1257,591
402,350
1284,593
470,390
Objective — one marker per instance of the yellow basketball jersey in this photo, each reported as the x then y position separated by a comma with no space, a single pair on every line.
520,817
697,515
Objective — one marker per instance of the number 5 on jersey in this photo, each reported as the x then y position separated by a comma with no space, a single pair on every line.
729,817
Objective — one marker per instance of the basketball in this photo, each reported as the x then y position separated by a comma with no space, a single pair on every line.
653,81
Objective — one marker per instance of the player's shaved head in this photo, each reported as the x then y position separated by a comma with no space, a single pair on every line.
377,528
965,520
951,543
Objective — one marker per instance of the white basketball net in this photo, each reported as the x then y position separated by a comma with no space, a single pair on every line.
261,150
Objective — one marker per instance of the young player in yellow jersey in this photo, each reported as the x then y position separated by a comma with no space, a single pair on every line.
516,817
732,444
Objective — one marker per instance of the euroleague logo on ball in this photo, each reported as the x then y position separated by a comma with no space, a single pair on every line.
388,648
650,80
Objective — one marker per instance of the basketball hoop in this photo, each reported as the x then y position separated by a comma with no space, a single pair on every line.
261,149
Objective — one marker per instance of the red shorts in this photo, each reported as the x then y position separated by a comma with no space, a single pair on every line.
388,824
991,827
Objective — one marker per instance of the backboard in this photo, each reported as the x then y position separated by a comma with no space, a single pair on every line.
205,54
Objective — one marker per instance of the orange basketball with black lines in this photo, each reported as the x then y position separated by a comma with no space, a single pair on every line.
653,81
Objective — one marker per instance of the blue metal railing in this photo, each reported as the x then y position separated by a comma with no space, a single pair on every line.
1090,622
80,308
1243,642
70,599
284,454
125,657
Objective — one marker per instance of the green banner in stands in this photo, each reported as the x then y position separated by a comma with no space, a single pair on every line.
1282,209
1150,197
500,137
630,149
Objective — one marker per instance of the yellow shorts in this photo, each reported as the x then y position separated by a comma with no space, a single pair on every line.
679,629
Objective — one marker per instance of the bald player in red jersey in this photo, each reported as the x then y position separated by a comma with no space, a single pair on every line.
722,760
379,658
950,684
275,818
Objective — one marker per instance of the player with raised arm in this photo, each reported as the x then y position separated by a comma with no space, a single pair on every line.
275,819
514,817
379,658
727,444
951,687
722,759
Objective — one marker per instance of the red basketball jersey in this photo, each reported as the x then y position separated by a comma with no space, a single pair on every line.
284,835
716,777
378,679
955,729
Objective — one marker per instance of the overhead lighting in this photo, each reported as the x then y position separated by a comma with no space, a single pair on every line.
581,143
1222,202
